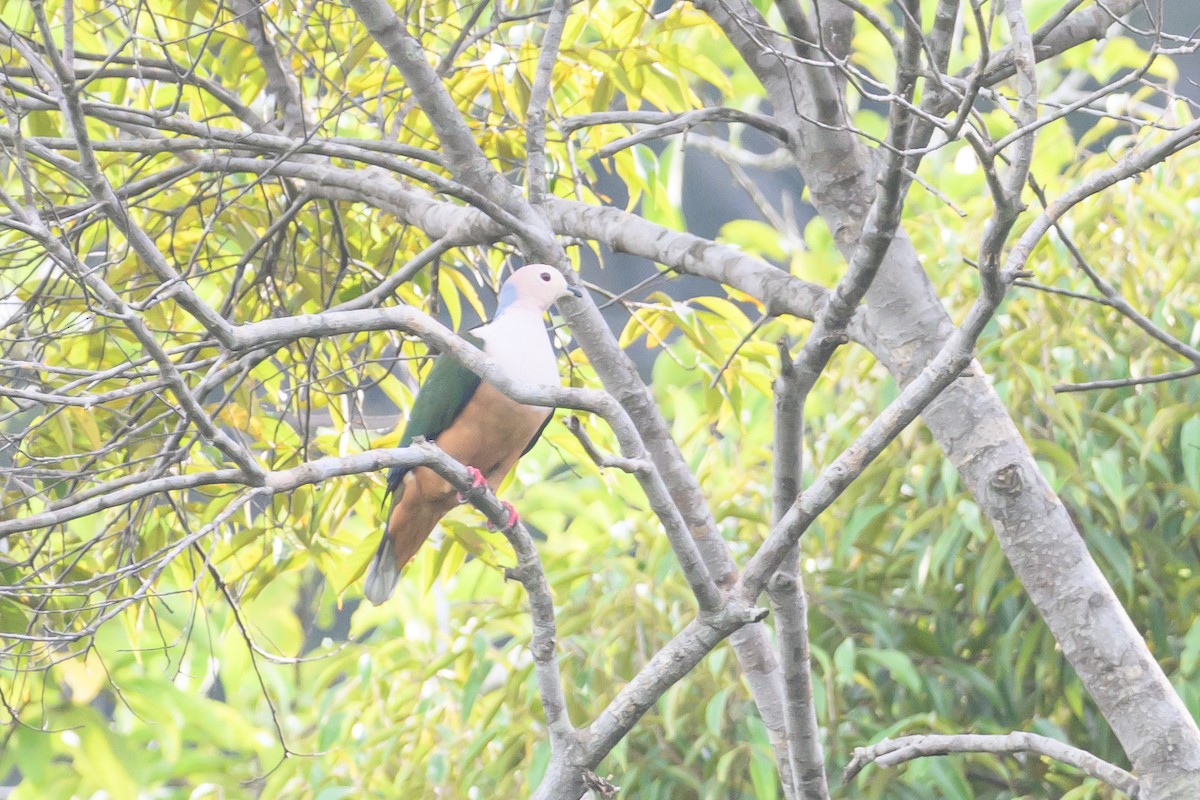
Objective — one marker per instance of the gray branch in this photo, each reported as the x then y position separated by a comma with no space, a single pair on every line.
539,97
282,82
686,517
893,752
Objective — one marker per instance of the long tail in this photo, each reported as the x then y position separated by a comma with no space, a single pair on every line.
383,574
413,517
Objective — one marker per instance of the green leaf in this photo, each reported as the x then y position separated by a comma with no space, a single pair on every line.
844,661
474,681
1107,471
1189,659
898,664
755,238
538,764
950,780
762,763
335,792
1189,445
714,712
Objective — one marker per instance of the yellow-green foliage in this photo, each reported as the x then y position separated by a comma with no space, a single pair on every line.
917,622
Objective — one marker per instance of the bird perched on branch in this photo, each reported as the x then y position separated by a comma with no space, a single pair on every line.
472,420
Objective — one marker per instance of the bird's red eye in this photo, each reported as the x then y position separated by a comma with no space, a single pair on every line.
546,276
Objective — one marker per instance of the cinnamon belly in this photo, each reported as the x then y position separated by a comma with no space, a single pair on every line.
489,434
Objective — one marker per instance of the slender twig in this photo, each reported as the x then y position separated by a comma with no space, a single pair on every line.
1124,383
684,122
281,80
893,752
1114,298
539,97
602,459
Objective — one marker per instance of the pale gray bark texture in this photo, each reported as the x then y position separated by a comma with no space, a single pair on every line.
904,326
614,368
860,195
893,752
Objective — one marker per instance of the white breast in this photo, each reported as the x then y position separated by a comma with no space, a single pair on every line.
519,343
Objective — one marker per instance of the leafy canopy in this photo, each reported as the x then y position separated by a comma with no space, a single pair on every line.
917,622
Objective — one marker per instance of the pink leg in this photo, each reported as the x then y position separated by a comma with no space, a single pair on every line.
513,517
477,482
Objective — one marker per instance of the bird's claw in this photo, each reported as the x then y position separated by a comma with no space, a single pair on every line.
513,517
477,482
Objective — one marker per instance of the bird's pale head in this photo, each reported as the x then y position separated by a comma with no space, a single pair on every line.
536,286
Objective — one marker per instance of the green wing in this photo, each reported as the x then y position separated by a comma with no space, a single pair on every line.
441,398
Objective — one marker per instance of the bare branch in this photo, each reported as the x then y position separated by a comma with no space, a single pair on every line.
120,310
893,752
90,175
1124,383
463,154
628,233
682,123
1056,36
631,465
1113,298
281,81
941,371
532,576
665,668
539,96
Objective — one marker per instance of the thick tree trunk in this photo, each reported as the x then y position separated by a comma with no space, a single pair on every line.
905,323
904,326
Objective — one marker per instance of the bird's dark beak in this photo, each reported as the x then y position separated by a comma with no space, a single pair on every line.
575,292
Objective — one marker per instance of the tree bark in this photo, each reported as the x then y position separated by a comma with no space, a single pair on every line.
904,325
1041,542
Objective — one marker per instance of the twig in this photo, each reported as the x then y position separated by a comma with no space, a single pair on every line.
687,121
539,97
1114,298
281,80
786,587
1122,383
601,459
758,323
893,752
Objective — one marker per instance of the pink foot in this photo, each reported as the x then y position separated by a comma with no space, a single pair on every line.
477,482
513,517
